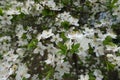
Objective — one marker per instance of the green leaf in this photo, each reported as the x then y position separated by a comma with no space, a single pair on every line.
91,76
1,56
118,53
37,1
24,78
66,2
18,17
62,35
32,44
24,36
44,27
49,72
63,48
68,76
108,41
90,50
114,1
109,66
1,12
111,4
47,12
65,25
75,48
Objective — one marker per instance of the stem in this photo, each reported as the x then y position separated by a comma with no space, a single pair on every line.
75,59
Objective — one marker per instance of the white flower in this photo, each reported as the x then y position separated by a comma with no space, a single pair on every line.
51,4
38,9
110,55
39,37
84,43
99,50
63,68
117,11
67,17
12,11
75,35
5,70
58,76
56,38
73,21
24,10
110,33
35,77
27,6
50,59
46,34
20,51
68,43
112,58
59,59
93,1
88,32
98,74
40,48
117,59
22,72
100,35
79,38
82,54
84,77
19,30
10,56
5,38
22,42
114,48
28,36
5,19
51,49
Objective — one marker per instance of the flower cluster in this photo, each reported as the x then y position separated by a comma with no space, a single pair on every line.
59,39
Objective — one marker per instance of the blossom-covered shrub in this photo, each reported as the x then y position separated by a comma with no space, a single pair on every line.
59,40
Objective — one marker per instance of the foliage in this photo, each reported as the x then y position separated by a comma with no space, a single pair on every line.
59,39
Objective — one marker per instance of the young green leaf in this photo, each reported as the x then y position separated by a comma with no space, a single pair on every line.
75,48
62,35
109,66
32,44
63,48
108,41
